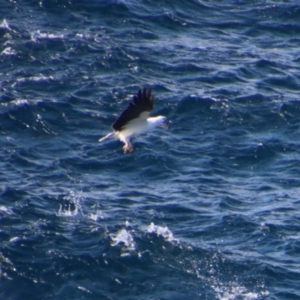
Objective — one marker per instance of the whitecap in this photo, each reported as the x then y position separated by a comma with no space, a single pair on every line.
38,35
79,35
123,236
37,78
73,208
4,25
161,231
84,289
67,211
97,215
236,292
6,210
8,51
14,239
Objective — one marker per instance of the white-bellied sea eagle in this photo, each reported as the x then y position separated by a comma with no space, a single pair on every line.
135,119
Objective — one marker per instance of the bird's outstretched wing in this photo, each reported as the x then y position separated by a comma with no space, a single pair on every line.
140,107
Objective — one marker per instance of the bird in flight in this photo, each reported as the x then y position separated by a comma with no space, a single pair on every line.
136,119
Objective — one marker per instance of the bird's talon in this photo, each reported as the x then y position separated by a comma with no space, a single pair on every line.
128,148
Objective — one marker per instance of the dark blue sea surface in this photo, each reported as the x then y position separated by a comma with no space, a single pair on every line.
209,209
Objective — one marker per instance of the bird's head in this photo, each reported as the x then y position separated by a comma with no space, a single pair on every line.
158,121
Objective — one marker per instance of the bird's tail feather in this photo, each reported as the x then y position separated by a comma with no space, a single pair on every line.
108,136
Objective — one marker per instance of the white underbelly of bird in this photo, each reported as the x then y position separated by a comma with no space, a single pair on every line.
136,120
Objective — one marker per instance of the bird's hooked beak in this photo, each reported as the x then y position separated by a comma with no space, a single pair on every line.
165,124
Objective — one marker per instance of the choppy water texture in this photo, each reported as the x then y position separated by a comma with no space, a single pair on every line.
207,210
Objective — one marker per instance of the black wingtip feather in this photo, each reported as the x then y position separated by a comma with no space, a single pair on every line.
142,102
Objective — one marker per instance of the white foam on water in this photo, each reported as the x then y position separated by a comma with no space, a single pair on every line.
6,210
161,231
67,211
123,236
97,215
236,292
37,78
8,51
84,289
19,102
14,239
38,35
4,25
227,290
73,208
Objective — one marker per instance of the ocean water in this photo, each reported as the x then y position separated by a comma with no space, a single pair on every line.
209,209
